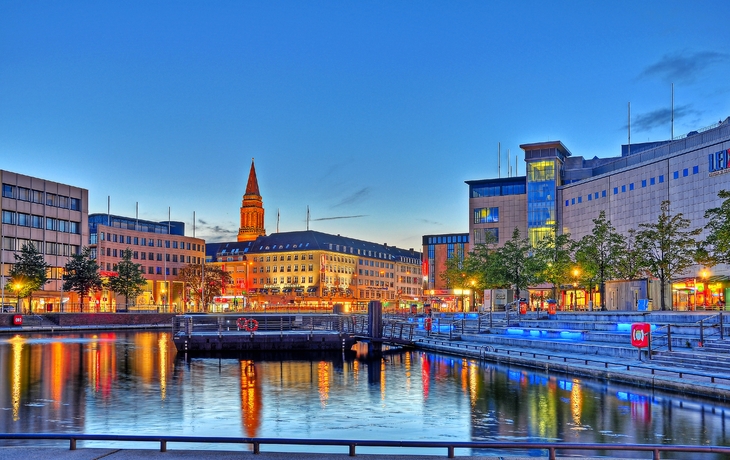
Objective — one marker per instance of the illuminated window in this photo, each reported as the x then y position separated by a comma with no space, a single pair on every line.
486,215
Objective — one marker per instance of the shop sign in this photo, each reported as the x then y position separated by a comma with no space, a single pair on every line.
719,162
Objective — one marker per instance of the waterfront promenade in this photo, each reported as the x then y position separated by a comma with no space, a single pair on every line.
24,453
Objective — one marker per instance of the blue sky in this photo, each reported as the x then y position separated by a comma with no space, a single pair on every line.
374,109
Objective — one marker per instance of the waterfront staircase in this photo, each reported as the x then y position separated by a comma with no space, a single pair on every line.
698,339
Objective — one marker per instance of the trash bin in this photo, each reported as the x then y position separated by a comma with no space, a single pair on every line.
552,307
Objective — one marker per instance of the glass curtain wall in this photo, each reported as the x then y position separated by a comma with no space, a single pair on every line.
541,189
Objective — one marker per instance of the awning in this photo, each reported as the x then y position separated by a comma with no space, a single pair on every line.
312,289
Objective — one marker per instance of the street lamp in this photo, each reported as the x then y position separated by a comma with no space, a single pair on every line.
576,272
704,274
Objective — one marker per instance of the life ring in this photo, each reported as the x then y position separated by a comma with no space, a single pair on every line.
241,323
427,324
251,325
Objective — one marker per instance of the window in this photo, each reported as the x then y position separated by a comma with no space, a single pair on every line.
661,178
8,217
8,191
695,169
51,199
615,190
675,175
75,204
486,215
580,199
23,219
50,224
652,181
623,189
590,197
643,183
174,245
23,194
144,255
603,194
631,186
685,172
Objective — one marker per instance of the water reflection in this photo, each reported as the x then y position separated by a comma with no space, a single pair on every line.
130,383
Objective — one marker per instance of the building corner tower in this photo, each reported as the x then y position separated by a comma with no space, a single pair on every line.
252,210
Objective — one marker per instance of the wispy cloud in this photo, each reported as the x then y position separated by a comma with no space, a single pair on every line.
684,66
354,197
431,222
660,117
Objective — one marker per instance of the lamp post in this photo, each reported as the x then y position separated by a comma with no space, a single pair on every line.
576,272
704,274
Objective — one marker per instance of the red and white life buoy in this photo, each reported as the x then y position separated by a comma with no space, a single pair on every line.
251,325
241,323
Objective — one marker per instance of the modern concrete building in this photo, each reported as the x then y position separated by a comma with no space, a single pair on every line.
161,248
52,217
567,192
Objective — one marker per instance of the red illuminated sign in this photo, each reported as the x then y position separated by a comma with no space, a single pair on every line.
640,335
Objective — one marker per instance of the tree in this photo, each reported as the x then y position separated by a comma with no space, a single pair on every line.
554,255
215,277
668,247
717,243
629,263
598,252
129,281
82,275
514,265
29,273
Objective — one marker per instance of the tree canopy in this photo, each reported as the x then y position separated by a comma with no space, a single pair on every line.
215,278
668,247
30,271
130,280
82,275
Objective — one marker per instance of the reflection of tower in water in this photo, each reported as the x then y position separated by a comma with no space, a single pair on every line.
250,401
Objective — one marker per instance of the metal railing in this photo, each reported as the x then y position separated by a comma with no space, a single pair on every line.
551,448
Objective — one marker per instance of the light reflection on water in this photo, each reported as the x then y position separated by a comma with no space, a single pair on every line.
136,383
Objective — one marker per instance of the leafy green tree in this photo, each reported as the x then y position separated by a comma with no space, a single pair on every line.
717,243
629,263
129,281
554,254
82,275
215,278
514,265
479,264
668,247
29,273
598,252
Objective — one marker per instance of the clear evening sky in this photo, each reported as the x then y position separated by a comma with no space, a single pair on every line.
377,109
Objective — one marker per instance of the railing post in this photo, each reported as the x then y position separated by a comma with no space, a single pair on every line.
451,452
649,350
163,446
656,454
352,450
702,333
722,331
256,448
72,443
551,453
669,337
479,323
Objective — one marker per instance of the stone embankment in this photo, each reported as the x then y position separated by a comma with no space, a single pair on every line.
690,351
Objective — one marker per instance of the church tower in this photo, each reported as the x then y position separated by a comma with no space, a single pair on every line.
252,210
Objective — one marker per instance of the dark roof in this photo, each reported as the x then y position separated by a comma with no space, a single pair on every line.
213,250
313,240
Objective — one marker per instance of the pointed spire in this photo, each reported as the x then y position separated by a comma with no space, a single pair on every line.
252,188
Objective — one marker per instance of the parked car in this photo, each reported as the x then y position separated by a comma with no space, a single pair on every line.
8,308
